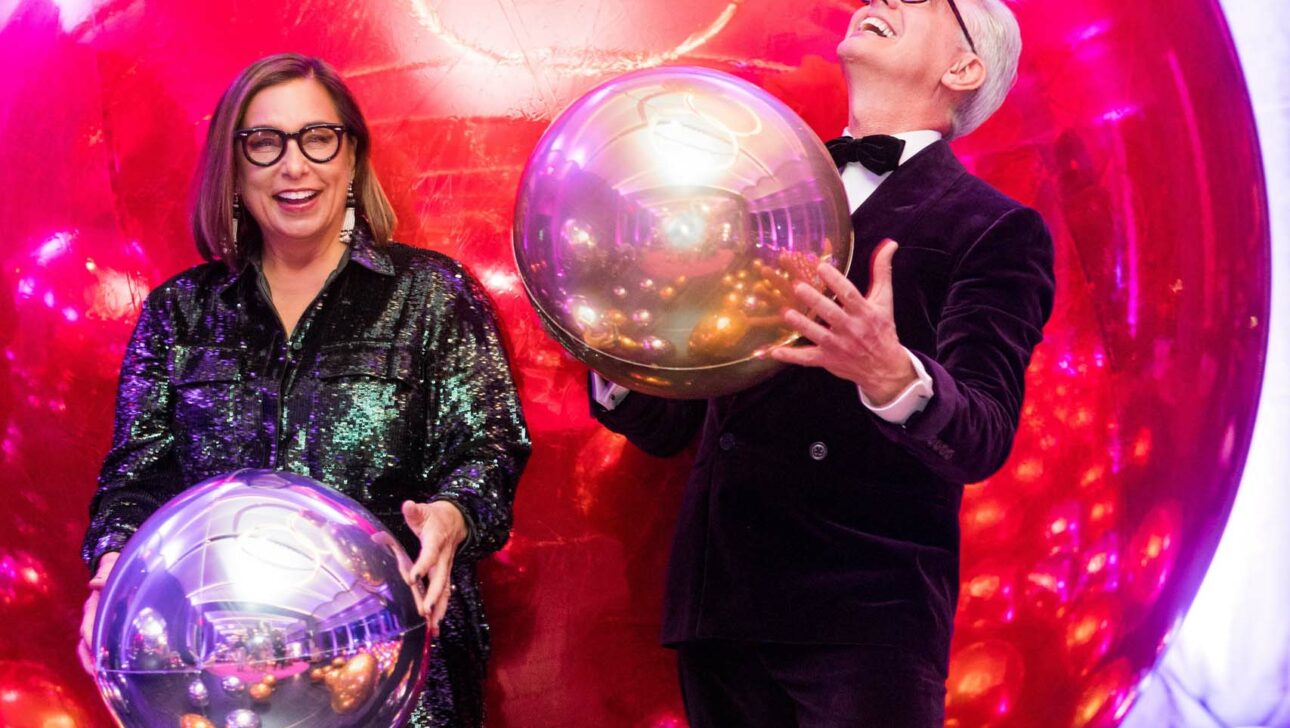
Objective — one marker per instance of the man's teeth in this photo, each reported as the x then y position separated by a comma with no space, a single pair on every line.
877,25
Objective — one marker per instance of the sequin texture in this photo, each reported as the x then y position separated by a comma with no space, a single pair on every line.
394,385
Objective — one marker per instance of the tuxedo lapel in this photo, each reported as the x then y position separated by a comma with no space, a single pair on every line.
900,201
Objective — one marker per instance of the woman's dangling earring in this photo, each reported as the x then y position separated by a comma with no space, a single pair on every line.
237,216
347,228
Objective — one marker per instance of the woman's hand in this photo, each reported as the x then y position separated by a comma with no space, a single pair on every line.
441,529
106,562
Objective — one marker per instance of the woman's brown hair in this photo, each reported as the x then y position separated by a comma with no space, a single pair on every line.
212,210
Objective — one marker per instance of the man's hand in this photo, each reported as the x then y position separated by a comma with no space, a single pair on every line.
857,337
441,529
90,612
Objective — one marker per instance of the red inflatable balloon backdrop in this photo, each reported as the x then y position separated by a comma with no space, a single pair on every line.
1130,130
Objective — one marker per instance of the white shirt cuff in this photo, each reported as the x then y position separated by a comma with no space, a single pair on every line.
606,393
913,399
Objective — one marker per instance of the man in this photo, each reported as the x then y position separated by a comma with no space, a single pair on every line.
814,571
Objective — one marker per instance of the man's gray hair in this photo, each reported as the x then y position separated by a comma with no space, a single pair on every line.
998,44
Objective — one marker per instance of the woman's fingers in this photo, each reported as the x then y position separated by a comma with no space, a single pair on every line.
87,660
441,606
435,591
87,632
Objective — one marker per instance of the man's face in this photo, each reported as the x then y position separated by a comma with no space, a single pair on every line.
913,41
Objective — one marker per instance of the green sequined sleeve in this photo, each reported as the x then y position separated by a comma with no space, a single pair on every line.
477,440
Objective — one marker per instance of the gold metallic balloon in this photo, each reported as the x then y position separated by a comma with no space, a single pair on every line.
662,222
352,684
192,720
260,692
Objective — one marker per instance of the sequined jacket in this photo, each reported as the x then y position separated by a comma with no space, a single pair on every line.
394,385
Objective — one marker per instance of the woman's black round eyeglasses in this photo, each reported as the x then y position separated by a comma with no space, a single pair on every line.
263,146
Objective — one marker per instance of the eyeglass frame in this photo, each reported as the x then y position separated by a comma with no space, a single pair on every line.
243,134
957,16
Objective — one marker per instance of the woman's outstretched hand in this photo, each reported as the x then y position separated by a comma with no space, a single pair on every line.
106,562
441,529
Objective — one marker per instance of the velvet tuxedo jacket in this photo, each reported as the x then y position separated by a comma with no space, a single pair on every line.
809,519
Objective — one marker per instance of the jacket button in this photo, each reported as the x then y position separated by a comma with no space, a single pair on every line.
819,451
726,441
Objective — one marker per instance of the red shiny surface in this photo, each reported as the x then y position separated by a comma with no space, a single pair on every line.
1129,130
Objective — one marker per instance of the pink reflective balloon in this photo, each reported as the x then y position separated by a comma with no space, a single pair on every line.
1129,130
662,222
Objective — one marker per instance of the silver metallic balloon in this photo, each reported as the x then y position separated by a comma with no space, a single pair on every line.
233,685
277,589
198,694
242,718
662,222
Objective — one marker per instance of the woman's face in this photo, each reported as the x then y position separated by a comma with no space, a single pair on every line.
295,200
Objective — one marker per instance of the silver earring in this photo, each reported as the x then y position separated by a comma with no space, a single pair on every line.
347,228
237,216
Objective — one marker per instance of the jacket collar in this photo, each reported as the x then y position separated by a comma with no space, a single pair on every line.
363,251
905,195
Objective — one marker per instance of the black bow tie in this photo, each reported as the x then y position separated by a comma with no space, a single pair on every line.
879,153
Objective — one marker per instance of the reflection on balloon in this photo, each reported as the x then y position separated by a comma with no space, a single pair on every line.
250,580
691,199
985,680
1091,630
31,696
1106,697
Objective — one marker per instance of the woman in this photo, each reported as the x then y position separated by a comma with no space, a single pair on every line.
308,342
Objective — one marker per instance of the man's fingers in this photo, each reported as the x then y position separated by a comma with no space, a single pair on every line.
880,274
820,305
804,356
842,287
806,327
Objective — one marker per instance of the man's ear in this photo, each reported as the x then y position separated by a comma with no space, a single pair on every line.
967,74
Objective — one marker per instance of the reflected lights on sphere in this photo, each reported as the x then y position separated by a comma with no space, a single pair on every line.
662,222
260,599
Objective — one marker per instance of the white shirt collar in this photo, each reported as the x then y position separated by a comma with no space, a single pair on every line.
915,141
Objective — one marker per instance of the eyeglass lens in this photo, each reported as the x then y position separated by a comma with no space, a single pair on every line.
266,146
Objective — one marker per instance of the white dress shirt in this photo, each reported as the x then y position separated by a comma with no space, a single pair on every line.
859,183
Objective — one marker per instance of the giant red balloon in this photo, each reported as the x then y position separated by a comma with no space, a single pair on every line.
1129,129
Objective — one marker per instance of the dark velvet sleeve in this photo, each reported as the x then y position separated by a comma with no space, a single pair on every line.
478,441
1000,296
140,472
660,427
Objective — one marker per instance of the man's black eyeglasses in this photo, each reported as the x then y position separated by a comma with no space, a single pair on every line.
263,146
957,16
